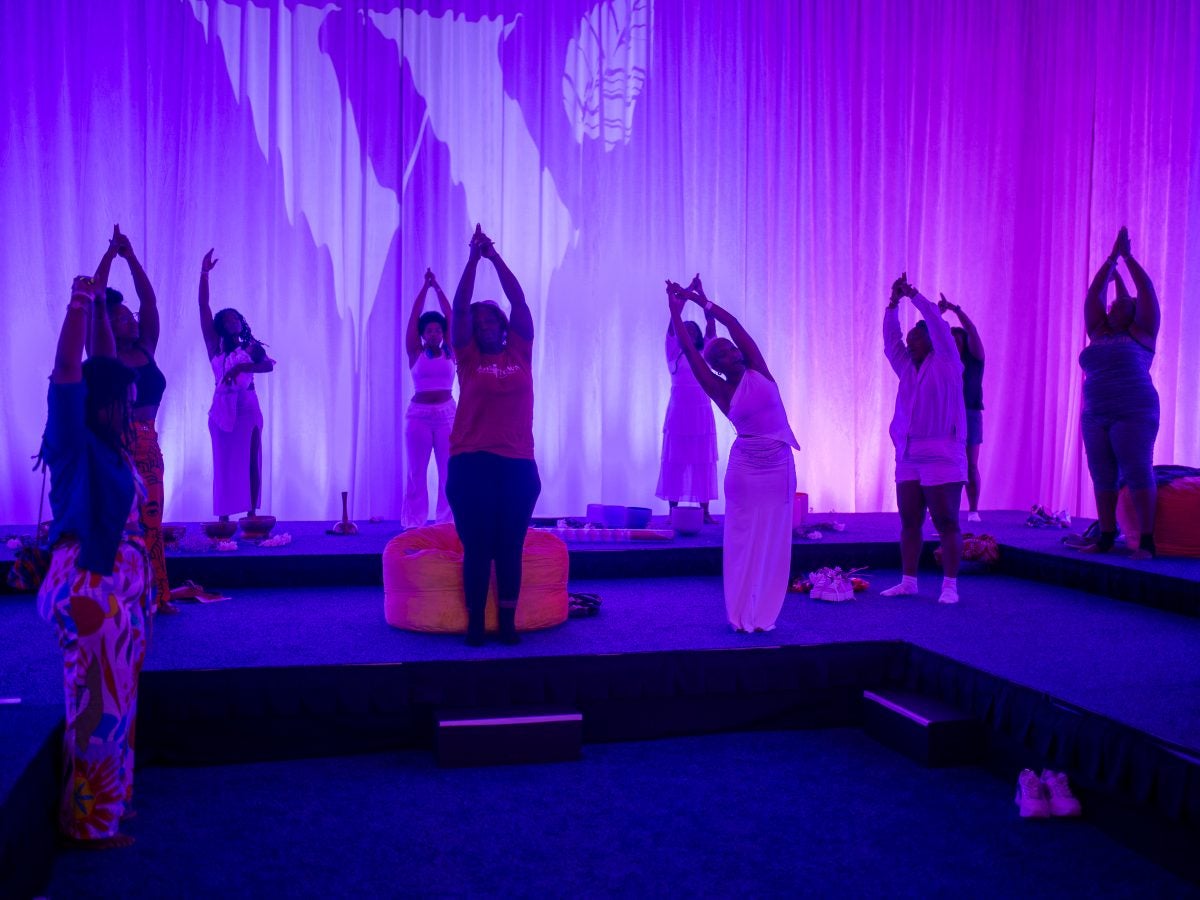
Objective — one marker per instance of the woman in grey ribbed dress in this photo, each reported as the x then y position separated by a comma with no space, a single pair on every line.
1120,404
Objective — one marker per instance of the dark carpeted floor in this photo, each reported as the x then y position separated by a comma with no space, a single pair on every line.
824,813
827,813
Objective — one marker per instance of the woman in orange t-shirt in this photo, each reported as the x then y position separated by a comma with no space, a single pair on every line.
492,482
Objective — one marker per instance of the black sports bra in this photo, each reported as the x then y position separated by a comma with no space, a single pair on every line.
149,382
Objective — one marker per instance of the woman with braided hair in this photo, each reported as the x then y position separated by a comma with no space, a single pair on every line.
98,592
235,420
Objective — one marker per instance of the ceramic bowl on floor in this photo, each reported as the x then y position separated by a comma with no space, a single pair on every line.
638,516
615,516
687,520
173,534
257,527
220,531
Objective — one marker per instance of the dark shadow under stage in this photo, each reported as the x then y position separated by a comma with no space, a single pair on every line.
1082,663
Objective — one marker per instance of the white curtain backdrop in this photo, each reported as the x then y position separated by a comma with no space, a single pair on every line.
797,155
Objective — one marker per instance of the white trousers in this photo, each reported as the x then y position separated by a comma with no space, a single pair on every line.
426,430
760,484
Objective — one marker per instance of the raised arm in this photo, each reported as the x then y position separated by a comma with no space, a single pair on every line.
1095,315
1146,316
893,340
101,340
443,303
974,342
68,356
710,321
105,264
148,322
893,337
212,344
101,277
741,337
412,337
716,388
940,334
520,320
460,320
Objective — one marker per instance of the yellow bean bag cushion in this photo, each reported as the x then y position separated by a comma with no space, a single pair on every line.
423,585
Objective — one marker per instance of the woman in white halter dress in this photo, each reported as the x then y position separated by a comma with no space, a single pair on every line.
760,481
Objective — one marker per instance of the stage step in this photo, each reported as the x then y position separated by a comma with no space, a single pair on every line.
496,737
930,731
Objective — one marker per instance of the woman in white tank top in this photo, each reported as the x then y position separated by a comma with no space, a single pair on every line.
430,413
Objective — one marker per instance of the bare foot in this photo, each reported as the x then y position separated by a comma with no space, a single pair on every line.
167,608
116,842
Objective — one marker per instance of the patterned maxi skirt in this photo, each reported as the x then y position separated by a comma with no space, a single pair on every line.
148,459
101,622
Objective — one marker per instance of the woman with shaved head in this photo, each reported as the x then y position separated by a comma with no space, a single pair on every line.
760,480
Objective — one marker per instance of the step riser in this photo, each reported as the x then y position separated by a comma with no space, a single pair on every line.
932,733
508,738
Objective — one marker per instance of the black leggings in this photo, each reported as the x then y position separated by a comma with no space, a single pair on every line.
492,498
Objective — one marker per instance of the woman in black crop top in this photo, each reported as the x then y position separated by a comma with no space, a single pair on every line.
970,351
137,339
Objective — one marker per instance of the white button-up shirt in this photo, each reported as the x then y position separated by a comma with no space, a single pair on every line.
929,403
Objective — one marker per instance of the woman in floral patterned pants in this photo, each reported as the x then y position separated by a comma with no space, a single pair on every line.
97,592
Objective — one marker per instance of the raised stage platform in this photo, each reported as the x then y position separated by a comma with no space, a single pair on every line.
316,558
1077,662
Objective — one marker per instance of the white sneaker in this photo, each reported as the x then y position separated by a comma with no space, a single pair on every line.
973,517
1062,801
1032,798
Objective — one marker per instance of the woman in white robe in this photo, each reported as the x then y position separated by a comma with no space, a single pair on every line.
760,481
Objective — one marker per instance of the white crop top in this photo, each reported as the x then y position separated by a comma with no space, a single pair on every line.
436,374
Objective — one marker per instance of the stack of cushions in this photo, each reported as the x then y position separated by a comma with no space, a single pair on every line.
1176,519
423,586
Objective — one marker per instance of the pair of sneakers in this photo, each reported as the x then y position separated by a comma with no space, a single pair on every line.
1039,797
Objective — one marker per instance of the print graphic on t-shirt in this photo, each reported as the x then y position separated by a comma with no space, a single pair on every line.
495,370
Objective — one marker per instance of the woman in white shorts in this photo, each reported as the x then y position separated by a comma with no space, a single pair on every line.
929,432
